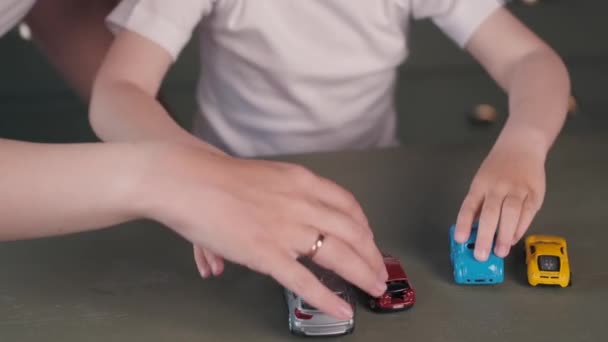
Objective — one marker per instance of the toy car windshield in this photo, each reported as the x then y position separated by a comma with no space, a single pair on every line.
397,288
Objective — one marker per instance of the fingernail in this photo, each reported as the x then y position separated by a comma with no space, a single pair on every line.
204,273
380,288
346,311
502,251
459,237
219,269
482,254
214,268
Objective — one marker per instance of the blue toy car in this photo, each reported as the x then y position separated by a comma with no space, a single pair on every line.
467,270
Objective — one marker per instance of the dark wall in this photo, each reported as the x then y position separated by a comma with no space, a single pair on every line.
438,86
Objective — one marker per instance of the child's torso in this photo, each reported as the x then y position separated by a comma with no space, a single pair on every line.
301,75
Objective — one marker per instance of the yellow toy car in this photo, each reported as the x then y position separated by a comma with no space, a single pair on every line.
547,260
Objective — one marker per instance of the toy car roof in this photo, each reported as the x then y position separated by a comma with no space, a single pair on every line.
394,268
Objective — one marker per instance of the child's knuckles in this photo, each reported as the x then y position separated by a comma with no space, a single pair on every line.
494,198
478,186
531,206
512,204
519,192
536,197
469,207
489,213
501,188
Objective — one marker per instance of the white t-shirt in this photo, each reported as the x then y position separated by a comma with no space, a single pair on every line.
12,12
293,76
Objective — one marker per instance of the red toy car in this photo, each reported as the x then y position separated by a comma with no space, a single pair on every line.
399,295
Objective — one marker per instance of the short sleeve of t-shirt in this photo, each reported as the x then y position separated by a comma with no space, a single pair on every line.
11,12
167,23
459,19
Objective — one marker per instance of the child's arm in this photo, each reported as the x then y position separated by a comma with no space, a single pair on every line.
123,106
509,188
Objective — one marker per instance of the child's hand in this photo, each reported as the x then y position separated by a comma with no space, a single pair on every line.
506,193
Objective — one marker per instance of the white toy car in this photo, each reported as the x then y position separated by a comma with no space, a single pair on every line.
306,320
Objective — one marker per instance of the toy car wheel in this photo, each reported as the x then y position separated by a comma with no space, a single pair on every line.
372,304
570,280
293,330
351,330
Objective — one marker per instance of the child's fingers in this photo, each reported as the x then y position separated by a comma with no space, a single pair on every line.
216,263
529,209
509,219
201,262
466,216
488,221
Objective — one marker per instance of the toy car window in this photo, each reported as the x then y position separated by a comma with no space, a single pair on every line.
397,286
470,245
532,249
548,263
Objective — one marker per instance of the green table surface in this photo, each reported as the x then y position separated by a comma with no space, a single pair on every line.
138,282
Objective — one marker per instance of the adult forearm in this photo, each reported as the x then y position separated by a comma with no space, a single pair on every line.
59,189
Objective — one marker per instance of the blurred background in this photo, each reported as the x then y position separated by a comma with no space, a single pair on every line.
438,89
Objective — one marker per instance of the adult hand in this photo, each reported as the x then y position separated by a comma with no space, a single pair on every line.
264,215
